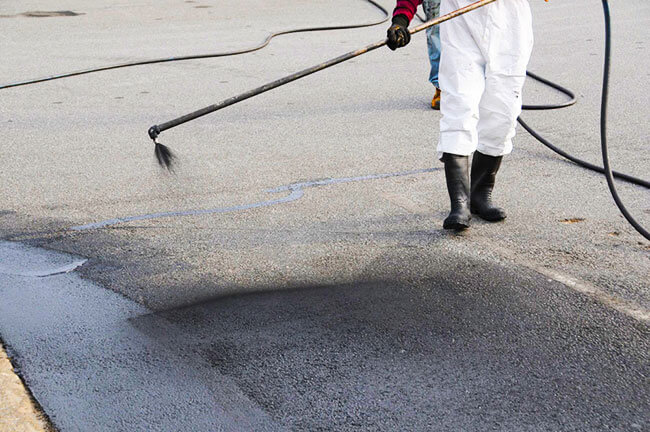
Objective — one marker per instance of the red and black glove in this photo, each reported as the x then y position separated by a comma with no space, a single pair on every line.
398,34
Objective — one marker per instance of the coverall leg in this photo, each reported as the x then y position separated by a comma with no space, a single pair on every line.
482,72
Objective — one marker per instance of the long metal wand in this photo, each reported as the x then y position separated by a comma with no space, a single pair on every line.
165,157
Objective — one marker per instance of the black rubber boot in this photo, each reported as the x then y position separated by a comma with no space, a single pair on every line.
457,175
484,173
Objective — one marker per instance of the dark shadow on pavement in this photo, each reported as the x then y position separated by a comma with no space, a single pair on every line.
470,346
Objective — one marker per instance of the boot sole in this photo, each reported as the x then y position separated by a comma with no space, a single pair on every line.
489,219
455,225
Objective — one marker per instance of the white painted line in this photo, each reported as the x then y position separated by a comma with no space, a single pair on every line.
625,307
628,308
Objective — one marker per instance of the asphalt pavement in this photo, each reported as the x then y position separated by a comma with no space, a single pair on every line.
296,259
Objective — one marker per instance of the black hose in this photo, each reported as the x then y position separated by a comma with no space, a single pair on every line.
572,100
603,127
202,56
609,174
572,97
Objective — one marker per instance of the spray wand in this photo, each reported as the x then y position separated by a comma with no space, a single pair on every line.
165,156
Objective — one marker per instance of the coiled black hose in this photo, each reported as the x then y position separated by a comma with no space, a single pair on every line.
572,100
607,170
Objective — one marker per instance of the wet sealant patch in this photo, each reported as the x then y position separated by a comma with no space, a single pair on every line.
91,368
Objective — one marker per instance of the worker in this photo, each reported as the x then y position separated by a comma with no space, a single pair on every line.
431,11
482,72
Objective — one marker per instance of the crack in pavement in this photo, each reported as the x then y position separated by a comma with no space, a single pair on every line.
47,273
17,259
295,193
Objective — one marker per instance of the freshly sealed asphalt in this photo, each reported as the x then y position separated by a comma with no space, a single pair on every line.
463,346
293,273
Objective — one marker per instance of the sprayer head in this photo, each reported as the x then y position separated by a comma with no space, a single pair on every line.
164,156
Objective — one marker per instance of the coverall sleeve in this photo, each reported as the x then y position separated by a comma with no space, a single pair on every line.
406,8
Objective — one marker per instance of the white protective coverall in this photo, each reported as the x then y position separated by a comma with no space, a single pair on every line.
482,71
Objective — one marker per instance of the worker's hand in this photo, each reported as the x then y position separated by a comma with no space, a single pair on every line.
398,34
